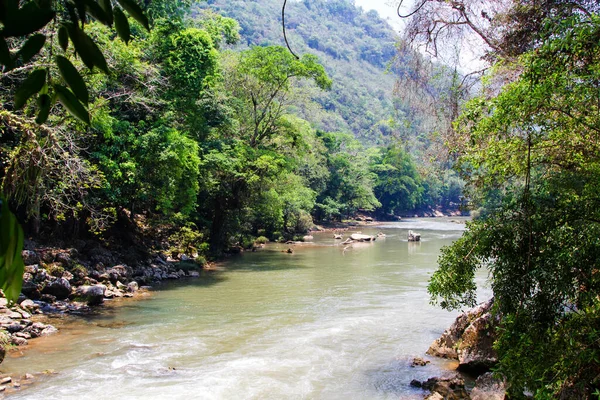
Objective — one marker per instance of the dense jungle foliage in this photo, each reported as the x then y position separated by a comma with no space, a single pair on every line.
528,146
162,116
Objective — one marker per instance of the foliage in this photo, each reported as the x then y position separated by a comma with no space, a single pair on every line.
25,25
535,164
398,185
11,263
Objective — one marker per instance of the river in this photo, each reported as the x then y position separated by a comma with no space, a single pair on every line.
326,322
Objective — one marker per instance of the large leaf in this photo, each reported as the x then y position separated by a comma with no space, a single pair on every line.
135,11
122,25
32,46
33,84
70,102
44,104
11,246
86,48
98,12
28,19
63,37
107,7
70,74
81,10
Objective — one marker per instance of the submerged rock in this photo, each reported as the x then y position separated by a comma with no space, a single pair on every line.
419,362
452,388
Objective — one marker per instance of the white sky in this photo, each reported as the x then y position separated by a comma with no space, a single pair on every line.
387,9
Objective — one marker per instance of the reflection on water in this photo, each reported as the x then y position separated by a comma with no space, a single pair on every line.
329,321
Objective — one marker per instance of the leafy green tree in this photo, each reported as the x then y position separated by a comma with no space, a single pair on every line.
350,183
535,162
398,185
261,82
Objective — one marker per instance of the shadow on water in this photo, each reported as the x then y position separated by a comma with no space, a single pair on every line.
395,377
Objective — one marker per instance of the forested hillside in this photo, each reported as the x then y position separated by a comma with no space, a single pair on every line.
355,47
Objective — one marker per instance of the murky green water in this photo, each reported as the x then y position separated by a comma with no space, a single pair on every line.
326,322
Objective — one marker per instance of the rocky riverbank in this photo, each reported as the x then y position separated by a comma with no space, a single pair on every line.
469,340
76,281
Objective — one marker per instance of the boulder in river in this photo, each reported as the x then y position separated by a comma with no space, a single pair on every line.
469,340
414,236
359,237
92,295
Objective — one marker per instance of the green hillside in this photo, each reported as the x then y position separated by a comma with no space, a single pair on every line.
356,48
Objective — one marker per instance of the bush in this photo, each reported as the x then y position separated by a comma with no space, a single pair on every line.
261,240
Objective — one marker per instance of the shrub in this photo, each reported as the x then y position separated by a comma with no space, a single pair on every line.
261,240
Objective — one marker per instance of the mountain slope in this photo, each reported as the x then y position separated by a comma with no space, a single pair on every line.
356,48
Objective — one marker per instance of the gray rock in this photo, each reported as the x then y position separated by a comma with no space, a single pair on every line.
419,362
5,380
30,257
14,327
447,346
451,388
488,388
475,351
194,274
29,305
63,259
132,287
24,335
92,295
18,341
60,288
48,330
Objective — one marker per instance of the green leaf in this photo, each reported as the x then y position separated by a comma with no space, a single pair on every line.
86,48
63,37
70,74
33,84
96,11
107,7
11,246
70,102
122,25
135,11
28,19
32,46
45,104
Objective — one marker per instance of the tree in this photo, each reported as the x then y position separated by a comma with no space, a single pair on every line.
398,185
261,83
534,160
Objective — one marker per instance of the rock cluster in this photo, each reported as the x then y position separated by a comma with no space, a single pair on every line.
69,281
469,340
17,325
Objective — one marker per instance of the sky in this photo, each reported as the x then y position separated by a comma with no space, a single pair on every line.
385,8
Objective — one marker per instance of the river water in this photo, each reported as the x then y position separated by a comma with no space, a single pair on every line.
326,322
